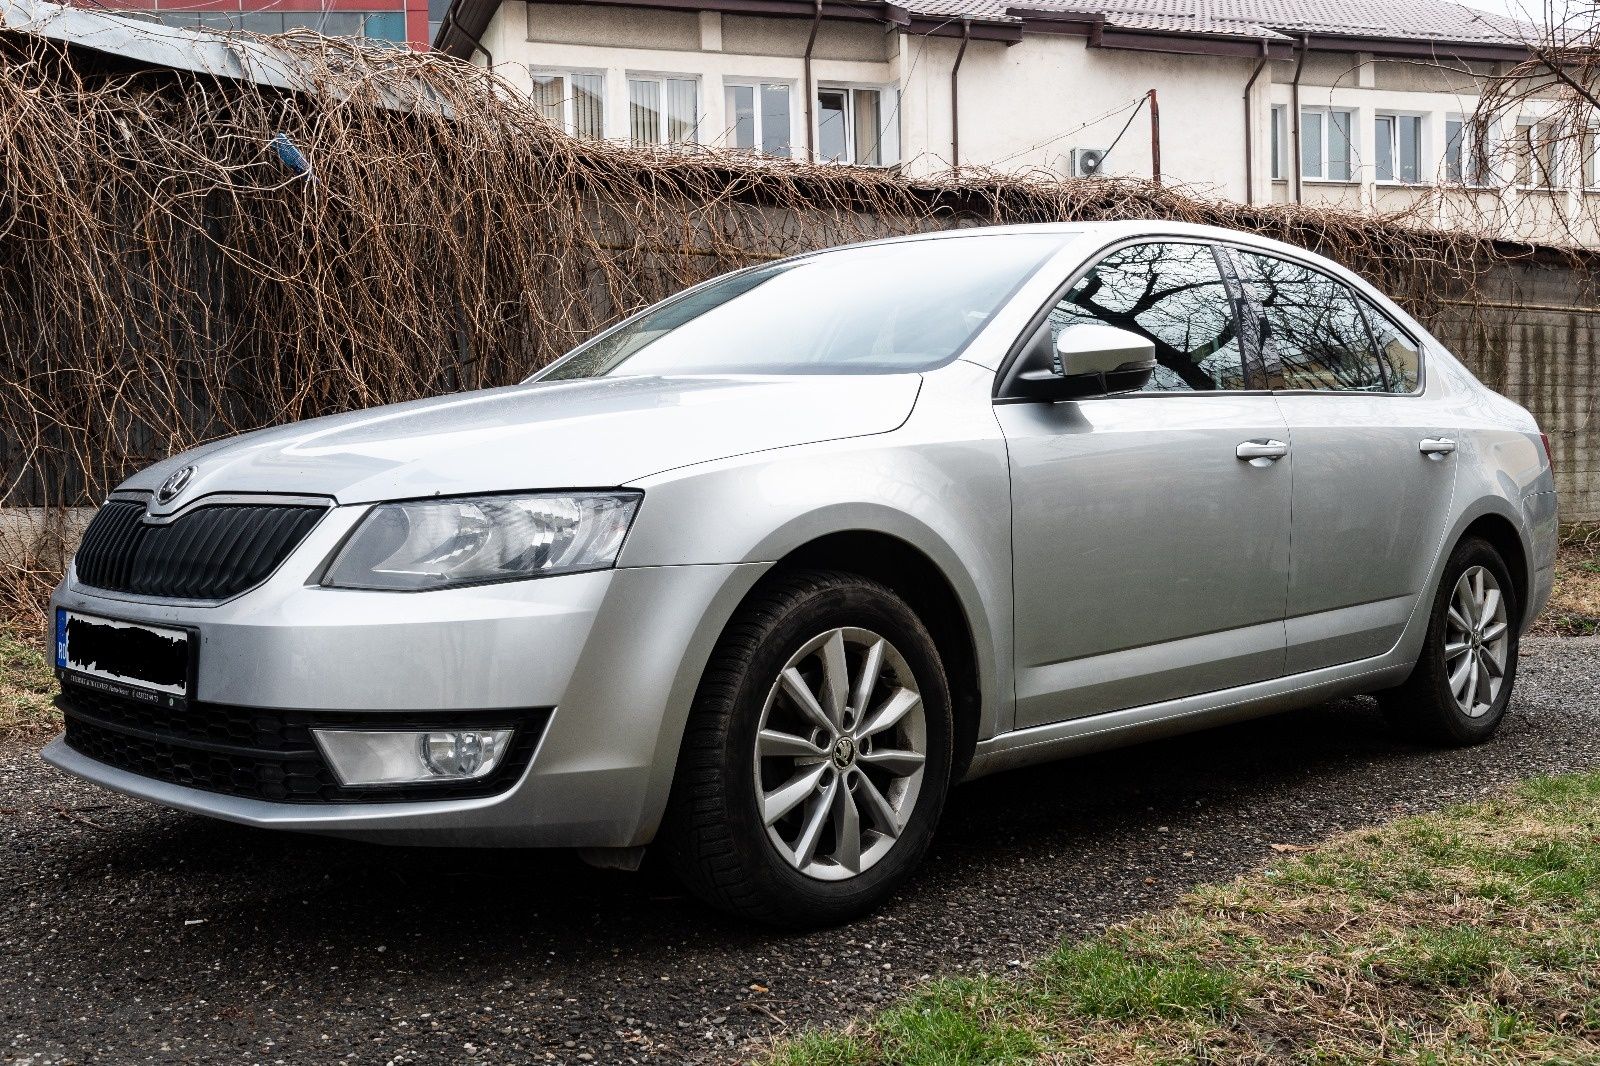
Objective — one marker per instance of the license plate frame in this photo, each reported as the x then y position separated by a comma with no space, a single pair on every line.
142,661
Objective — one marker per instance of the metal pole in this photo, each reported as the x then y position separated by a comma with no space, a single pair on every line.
1155,139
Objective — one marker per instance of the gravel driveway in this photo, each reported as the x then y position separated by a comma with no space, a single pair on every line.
132,934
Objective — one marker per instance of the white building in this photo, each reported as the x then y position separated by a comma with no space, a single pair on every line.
1373,92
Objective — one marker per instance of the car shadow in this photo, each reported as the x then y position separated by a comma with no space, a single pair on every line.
460,903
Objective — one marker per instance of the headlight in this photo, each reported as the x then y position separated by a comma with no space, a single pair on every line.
430,544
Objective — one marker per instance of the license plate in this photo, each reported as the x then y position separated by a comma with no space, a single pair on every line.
133,659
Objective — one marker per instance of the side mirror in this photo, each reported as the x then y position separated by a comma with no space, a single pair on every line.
1090,359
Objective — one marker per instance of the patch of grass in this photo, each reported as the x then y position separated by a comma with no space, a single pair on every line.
27,685
1575,601
1118,981
1470,935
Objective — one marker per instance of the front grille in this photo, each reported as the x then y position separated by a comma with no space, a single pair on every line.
210,553
269,754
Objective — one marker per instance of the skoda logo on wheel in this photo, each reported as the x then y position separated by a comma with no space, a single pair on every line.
175,484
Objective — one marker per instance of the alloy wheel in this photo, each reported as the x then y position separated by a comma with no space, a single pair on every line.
839,754
1477,641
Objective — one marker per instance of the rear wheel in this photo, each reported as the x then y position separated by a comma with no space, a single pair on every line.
817,756
1462,683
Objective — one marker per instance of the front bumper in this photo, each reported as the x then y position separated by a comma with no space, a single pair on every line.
616,653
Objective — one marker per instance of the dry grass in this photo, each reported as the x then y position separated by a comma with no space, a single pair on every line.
1575,602
1465,936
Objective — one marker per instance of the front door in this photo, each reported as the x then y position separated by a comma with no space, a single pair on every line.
1374,467
1151,557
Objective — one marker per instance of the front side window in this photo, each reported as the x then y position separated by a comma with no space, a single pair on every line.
1313,333
854,126
759,118
877,309
1173,295
1397,143
573,101
663,110
1325,143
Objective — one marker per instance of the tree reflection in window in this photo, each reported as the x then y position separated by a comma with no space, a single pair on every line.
1172,294
1312,328
1401,361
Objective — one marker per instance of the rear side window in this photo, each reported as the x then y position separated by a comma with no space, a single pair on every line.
1314,335
1172,294
1400,360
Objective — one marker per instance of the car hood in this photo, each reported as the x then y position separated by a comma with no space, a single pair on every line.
541,435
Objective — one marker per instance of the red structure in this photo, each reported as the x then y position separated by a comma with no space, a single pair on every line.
402,22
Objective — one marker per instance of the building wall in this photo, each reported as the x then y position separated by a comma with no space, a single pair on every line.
618,41
1026,106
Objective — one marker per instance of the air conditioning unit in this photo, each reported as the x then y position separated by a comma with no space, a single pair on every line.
1088,162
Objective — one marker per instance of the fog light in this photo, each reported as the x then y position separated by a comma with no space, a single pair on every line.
398,756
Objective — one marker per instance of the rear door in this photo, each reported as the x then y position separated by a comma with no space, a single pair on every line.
1374,469
1151,555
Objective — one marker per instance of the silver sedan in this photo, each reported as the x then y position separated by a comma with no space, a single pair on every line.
757,574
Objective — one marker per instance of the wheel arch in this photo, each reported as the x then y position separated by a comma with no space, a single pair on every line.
916,578
1504,536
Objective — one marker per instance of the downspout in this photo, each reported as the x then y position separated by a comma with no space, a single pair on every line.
1294,103
955,98
811,92
1249,124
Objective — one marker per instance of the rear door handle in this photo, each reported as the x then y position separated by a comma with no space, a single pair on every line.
1261,452
1437,447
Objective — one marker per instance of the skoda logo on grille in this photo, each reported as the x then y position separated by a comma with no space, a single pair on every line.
174,484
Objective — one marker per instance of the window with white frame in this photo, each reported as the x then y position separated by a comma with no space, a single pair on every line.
1589,159
1397,148
761,117
663,109
574,100
1461,161
1534,154
1280,124
1325,143
857,126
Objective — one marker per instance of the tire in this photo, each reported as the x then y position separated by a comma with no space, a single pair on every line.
796,870
1431,705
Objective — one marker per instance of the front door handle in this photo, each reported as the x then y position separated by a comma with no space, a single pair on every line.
1437,447
1261,452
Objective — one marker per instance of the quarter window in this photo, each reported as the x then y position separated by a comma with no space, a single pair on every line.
1401,362
1172,294
1313,334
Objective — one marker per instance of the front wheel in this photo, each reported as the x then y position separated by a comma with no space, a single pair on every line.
817,756
1462,683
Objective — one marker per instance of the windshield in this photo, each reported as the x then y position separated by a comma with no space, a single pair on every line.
880,309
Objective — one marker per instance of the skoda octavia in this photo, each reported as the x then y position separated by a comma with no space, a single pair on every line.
758,574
